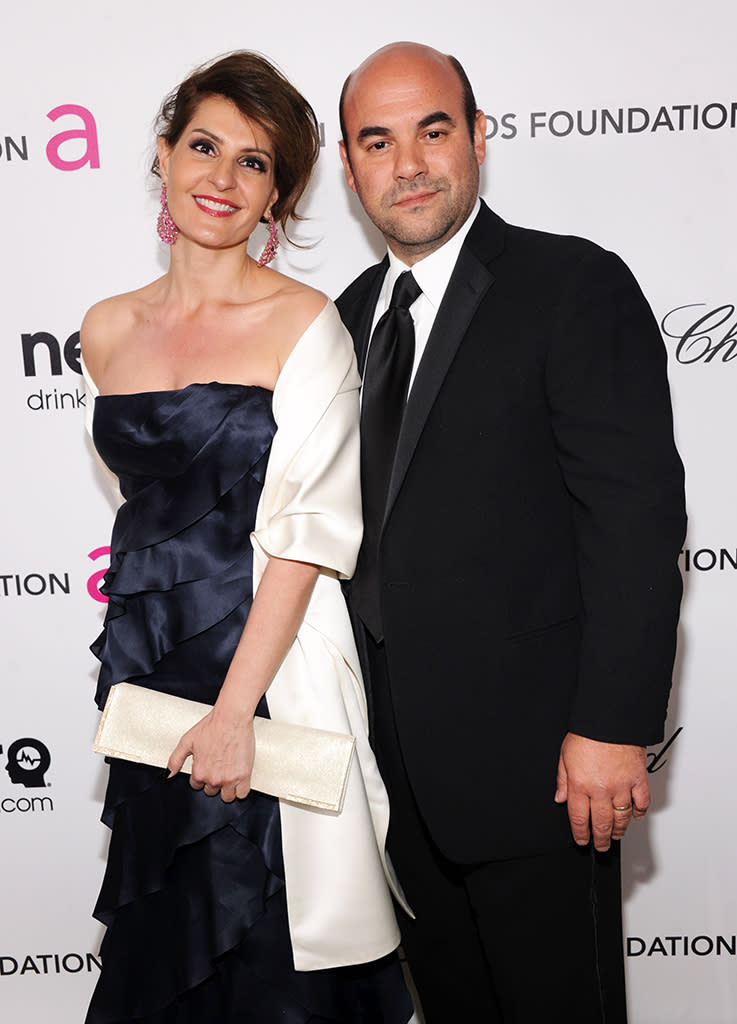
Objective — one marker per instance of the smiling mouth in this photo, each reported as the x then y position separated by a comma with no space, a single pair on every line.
215,207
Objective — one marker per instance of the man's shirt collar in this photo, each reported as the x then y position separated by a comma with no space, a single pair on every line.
433,272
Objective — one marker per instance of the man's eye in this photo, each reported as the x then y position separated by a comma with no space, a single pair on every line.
378,145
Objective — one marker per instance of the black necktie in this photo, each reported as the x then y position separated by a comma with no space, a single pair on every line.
385,385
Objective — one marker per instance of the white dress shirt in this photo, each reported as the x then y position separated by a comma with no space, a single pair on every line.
432,275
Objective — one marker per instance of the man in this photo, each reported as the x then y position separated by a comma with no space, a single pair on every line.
517,592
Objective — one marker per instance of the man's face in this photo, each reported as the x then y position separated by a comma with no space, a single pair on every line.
412,162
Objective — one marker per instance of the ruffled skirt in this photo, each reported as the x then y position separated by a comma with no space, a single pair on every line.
195,907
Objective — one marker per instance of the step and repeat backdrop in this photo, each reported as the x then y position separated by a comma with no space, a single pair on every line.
614,122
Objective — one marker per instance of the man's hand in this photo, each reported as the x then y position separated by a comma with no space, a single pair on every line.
605,785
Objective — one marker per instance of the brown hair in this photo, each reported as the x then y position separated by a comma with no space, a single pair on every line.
262,94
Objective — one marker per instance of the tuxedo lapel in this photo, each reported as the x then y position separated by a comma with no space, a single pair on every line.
468,284
359,314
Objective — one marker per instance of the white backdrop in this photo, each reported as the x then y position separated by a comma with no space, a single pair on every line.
660,191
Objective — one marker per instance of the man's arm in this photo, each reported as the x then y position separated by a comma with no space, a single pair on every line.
611,415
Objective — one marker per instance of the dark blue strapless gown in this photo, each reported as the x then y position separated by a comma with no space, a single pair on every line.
193,895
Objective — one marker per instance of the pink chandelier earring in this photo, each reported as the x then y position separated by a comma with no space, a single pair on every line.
272,243
165,225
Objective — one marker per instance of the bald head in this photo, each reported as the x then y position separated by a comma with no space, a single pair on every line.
394,55
402,56
412,146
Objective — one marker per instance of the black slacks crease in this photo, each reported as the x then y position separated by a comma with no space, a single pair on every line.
522,941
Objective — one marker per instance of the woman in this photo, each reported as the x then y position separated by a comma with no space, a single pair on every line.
227,406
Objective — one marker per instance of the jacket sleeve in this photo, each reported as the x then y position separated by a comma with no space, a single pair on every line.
611,413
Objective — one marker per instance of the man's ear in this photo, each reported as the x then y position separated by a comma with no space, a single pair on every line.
479,136
348,170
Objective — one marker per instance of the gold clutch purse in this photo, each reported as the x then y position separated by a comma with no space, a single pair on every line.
293,762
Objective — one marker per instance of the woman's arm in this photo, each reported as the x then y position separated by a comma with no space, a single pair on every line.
222,744
309,516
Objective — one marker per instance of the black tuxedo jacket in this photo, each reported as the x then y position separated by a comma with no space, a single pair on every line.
528,575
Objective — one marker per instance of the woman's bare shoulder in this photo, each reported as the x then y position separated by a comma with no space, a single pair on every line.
108,323
295,307
303,300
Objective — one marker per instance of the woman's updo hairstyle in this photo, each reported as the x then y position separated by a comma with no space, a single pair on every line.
263,95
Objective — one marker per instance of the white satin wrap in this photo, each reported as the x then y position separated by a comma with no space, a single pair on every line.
340,910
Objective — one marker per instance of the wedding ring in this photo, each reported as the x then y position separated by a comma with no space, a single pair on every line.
627,808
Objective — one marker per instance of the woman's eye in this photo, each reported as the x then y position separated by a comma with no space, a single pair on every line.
202,146
254,164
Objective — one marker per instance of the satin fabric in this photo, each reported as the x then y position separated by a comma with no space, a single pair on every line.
199,468
310,509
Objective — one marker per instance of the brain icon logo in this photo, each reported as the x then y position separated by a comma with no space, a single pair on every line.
28,762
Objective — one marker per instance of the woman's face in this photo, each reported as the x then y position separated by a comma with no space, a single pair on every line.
219,175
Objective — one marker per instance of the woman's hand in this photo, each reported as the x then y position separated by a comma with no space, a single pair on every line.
222,748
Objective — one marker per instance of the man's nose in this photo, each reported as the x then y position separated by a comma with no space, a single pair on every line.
410,160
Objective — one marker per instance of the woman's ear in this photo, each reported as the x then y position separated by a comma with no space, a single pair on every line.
164,152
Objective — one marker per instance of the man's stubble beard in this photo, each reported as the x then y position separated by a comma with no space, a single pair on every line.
429,233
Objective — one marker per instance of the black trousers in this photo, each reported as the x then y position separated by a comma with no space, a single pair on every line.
517,941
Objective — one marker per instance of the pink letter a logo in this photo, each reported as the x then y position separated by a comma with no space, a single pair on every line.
91,155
